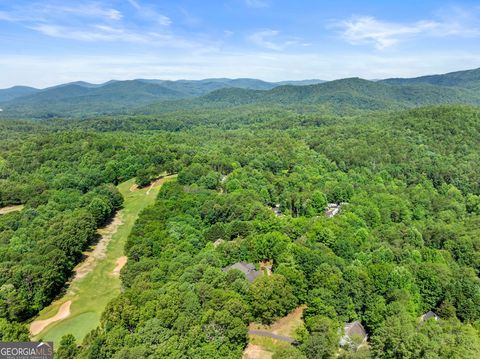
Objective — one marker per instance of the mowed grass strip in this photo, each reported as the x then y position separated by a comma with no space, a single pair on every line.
91,293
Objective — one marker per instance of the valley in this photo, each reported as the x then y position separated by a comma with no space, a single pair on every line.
96,281
338,219
239,179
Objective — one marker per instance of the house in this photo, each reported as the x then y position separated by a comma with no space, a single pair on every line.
429,315
218,242
246,268
354,335
333,209
276,210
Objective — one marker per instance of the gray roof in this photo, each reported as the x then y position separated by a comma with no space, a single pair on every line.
246,268
332,209
355,328
351,331
429,315
218,242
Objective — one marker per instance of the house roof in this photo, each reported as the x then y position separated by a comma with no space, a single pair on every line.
355,328
428,315
332,209
218,242
246,268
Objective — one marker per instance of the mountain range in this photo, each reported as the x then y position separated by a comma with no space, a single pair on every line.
150,96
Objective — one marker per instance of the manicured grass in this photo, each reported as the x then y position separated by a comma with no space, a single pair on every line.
90,294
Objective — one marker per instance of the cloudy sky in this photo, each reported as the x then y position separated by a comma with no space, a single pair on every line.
47,42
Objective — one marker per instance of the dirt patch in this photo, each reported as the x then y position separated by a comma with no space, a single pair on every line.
256,352
133,188
156,183
8,209
287,325
100,249
119,265
284,326
39,325
153,184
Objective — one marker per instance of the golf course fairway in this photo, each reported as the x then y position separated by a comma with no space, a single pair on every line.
97,279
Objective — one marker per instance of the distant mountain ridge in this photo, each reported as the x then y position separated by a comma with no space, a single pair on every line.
152,96
342,96
466,79
15,92
113,96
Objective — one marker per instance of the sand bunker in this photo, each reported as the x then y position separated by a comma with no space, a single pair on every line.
119,265
100,249
39,325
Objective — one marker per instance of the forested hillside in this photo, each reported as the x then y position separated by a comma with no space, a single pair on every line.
464,79
82,98
405,242
136,97
15,92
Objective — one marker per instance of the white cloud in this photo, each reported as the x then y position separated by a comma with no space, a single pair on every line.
268,39
106,33
91,21
149,13
368,30
46,11
86,10
382,34
93,33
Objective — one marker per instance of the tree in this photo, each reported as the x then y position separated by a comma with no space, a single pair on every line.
101,209
13,332
271,297
269,246
143,177
68,347
323,340
319,201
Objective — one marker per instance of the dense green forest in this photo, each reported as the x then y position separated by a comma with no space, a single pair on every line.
406,240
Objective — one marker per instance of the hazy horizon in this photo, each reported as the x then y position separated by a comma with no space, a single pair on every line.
216,78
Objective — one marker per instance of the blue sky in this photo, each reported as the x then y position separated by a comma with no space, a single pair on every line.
47,42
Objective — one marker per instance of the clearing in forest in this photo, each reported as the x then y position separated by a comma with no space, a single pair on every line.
265,345
96,281
8,209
